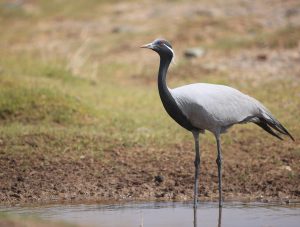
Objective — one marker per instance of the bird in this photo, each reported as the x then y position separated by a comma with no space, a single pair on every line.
203,106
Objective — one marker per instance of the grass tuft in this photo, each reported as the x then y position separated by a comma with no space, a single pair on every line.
34,105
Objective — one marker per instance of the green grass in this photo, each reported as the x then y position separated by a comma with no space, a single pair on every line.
100,106
29,94
41,97
29,105
115,114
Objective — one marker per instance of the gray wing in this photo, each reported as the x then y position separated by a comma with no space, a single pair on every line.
210,106
217,107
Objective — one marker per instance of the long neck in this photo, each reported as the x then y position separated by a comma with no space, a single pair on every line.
162,76
166,97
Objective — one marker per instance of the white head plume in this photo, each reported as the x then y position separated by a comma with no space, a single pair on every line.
173,59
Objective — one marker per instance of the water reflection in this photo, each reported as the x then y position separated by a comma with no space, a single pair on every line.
163,214
219,217
195,216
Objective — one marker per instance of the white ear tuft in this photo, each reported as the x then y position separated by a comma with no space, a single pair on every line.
173,58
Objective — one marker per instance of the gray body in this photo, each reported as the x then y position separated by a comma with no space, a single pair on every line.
216,107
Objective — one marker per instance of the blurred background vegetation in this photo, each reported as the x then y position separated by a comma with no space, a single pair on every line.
75,66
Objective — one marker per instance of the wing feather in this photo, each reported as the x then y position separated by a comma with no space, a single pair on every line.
217,107
213,107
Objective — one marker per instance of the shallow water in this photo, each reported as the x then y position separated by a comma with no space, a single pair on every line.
162,214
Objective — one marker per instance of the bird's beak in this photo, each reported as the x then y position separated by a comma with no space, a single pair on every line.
149,46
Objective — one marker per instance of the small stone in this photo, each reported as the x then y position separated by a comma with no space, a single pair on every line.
158,179
288,168
194,52
20,178
262,57
206,194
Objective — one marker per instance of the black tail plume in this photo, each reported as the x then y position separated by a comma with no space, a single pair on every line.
265,127
269,121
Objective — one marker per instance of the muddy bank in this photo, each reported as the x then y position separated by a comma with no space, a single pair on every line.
150,174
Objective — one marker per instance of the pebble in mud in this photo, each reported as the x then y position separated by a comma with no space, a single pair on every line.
158,179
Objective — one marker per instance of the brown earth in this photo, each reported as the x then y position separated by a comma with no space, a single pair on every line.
148,174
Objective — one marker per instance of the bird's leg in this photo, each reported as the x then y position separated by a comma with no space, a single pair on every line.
220,217
197,167
197,170
219,163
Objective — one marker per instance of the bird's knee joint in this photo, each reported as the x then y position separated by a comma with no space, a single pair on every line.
197,162
219,160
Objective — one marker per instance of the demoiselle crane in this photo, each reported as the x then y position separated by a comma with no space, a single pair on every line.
202,106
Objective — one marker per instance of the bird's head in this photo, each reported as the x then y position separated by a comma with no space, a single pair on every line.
162,47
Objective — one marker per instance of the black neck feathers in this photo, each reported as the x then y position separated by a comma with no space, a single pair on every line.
166,97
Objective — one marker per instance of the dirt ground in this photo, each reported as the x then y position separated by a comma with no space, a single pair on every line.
149,174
